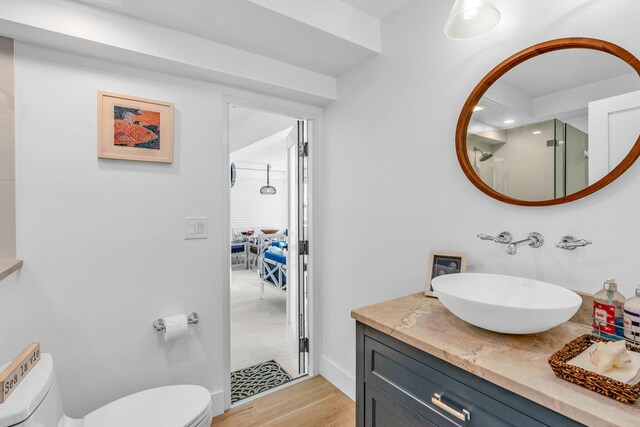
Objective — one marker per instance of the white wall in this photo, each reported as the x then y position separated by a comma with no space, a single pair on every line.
392,187
103,240
250,209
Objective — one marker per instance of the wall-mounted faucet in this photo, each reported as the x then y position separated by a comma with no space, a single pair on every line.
535,240
570,243
505,237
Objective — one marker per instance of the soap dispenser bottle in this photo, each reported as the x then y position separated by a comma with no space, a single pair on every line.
632,318
608,311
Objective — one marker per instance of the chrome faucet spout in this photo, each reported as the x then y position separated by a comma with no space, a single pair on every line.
535,240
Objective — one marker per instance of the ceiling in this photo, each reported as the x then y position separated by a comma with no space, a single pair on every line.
378,8
540,89
259,137
271,150
564,69
246,25
248,126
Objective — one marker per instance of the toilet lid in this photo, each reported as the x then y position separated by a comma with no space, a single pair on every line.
171,406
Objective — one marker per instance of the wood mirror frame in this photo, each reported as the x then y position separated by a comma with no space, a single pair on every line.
503,68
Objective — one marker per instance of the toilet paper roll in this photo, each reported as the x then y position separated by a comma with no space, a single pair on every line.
175,327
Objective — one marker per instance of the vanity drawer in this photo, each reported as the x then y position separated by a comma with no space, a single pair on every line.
383,410
432,394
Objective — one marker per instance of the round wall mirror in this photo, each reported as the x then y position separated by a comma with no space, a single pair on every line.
233,174
553,123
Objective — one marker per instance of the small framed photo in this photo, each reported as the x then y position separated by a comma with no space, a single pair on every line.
441,263
131,128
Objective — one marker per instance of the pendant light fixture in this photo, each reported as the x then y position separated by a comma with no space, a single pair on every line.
470,18
268,189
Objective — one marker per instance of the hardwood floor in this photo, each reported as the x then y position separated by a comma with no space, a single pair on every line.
312,402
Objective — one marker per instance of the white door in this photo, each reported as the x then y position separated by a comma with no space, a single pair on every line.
614,126
297,328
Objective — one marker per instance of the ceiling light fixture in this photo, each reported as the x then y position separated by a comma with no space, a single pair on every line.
537,132
268,190
470,18
478,108
508,122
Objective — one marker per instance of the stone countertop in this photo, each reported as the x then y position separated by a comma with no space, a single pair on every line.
9,266
515,362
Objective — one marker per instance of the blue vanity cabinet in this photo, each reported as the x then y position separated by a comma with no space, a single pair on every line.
399,385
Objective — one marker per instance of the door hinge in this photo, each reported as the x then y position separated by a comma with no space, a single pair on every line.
304,345
303,247
303,149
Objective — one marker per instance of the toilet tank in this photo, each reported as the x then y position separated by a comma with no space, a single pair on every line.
36,400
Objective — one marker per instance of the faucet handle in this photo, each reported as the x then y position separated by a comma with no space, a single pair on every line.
483,236
570,243
505,237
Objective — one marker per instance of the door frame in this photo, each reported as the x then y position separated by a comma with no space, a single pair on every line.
300,113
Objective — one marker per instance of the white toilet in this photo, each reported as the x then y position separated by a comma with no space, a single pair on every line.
36,402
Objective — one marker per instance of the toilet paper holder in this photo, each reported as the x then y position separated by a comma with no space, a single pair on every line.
192,319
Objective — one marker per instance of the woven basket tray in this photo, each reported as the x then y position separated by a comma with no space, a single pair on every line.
599,383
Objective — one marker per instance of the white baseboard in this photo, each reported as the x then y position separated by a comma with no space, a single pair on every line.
338,377
217,402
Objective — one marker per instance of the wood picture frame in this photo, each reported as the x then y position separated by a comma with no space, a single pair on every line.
444,262
18,369
132,128
501,69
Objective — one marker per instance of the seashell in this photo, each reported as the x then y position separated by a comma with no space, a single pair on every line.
609,355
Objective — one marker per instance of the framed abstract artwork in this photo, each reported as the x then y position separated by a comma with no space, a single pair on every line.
441,263
131,128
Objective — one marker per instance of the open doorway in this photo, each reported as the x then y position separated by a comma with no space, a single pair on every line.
268,248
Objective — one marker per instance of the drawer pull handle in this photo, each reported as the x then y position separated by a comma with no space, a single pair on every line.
437,400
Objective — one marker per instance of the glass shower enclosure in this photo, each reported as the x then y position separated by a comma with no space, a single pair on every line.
537,161
571,158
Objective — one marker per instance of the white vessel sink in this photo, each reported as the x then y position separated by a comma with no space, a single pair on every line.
507,304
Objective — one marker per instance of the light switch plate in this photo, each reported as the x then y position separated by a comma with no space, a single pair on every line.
196,228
